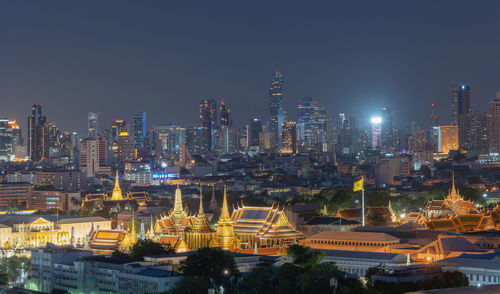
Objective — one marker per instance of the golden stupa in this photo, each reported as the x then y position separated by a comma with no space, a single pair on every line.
224,235
200,233
117,191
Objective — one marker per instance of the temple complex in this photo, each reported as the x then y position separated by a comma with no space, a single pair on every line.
225,237
106,241
116,202
451,206
264,226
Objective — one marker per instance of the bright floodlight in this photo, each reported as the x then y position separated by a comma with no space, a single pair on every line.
376,120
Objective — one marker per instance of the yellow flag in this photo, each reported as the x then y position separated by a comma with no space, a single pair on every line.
358,185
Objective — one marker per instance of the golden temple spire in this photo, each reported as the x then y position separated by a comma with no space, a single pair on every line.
117,191
224,236
178,212
200,211
225,212
453,195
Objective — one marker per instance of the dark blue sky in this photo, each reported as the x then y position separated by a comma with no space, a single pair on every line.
117,57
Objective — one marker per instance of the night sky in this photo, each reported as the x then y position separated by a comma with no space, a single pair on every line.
118,57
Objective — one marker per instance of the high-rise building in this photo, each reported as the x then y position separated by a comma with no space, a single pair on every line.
346,135
169,138
416,141
312,122
93,124
193,139
376,131
289,137
93,156
38,145
460,102
139,129
387,130
6,149
494,125
448,138
254,131
224,114
473,132
276,107
118,126
208,120
126,150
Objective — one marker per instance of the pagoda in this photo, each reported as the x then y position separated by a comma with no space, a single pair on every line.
200,234
224,235
117,191
176,221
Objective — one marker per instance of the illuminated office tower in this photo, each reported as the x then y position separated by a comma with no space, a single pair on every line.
416,141
473,132
276,107
346,135
168,140
254,132
387,130
118,126
208,119
376,131
93,124
126,150
6,149
37,146
139,129
312,122
193,139
224,114
460,102
92,156
494,125
448,138
289,137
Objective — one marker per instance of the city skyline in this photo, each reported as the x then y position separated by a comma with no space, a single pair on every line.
158,64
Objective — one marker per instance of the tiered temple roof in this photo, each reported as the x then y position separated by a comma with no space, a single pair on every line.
107,241
176,221
264,225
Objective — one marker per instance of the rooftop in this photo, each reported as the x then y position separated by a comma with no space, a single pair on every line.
380,256
354,236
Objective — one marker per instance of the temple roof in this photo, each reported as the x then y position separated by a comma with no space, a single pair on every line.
266,222
354,236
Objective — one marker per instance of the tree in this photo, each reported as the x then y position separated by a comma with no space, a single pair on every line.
14,269
190,285
317,278
377,219
215,266
261,280
149,247
304,256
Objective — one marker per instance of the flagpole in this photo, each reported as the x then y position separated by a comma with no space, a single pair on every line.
363,199
363,203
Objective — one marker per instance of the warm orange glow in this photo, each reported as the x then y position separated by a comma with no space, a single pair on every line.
13,124
123,134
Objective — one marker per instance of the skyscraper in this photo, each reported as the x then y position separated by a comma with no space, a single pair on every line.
494,125
254,131
139,129
346,135
276,107
224,113
92,156
460,102
38,147
387,130
118,126
376,131
473,132
93,124
289,137
312,121
5,140
208,119
448,138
